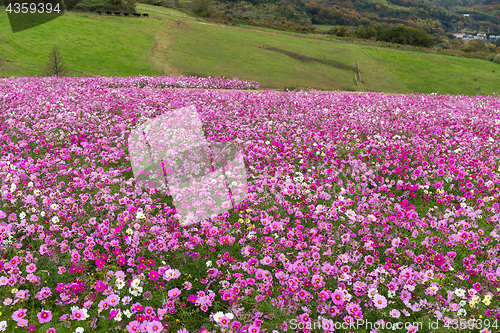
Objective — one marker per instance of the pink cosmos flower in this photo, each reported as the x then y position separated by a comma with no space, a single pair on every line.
349,320
100,263
380,301
149,311
19,314
395,313
77,314
369,260
133,326
324,294
75,256
22,323
223,321
100,285
154,327
113,300
113,313
338,297
44,316
30,268
137,307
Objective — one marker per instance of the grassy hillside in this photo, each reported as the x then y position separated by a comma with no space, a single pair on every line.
186,46
428,73
90,44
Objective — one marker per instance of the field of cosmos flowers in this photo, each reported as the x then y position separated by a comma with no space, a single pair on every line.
360,207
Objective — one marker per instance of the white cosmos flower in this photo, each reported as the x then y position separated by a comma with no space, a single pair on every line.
135,283
136,291
55,219
209,263
22,215
119,283
54,206
217,316
460,292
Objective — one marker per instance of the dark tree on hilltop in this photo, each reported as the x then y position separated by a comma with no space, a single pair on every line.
55,65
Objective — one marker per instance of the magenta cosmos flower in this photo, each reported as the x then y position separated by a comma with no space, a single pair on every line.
44,316
439,260
154,275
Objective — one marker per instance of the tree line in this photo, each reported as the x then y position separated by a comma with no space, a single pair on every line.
398,35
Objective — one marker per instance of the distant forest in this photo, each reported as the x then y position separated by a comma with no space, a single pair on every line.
427,14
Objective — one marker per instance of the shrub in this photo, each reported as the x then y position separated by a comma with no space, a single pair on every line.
496,59
366,33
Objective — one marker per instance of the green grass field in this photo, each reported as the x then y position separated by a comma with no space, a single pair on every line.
110,46
182,45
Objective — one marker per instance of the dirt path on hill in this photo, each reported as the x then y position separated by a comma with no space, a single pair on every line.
158,55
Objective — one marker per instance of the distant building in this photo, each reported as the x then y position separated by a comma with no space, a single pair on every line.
481,36
468,36
459,35
466,15
493,38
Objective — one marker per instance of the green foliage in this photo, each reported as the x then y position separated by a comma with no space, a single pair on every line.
400,35
55,65
405,35
366,33
202,8
497,43
340,31
490,57
476,46
496,59
105,5
290,88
